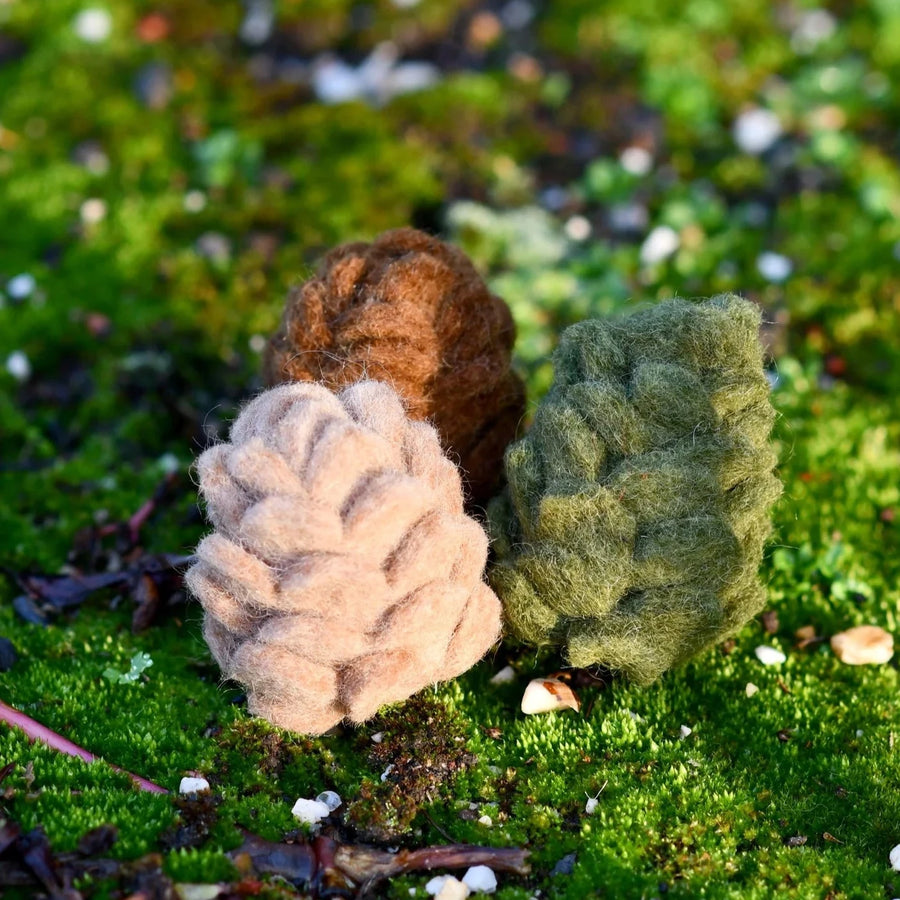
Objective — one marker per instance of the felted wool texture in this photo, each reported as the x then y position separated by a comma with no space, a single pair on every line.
412,311
638,504
343,573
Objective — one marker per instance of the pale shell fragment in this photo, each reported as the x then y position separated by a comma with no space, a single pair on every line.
331,799
453,889
895,858
310,812
480,879
769,656
191,785
548,694
504,676
863,645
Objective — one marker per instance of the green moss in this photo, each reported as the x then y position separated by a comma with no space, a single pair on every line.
107,410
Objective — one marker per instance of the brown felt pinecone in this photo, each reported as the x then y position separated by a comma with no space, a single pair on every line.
343,573
412,311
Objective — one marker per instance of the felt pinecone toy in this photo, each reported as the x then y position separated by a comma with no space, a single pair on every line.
411,311
343,573
638,504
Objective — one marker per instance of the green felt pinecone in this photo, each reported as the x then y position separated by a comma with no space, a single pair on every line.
638,504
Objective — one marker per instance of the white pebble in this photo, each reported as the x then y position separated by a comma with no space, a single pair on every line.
21,287
434,885
774,267
864,645
310,812
686,732
377,738
387,771
636,160
815,26
480,879
169,463
895,858
659,245
517,14
546,695
92,211
751,689
93,25
769,656
18,366
485,820
194,201
756,130
191,785
578,228
504,676
331,799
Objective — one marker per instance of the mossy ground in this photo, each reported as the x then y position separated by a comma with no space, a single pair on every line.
139,336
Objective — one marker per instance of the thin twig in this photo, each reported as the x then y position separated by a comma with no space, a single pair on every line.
37,732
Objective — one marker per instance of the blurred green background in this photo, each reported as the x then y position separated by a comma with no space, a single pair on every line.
168,169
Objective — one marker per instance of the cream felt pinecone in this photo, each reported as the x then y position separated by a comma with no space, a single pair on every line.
343,573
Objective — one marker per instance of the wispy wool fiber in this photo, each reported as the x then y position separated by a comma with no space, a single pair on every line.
638,504
411,310
343,573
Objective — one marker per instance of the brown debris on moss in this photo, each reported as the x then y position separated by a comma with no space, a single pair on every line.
423,749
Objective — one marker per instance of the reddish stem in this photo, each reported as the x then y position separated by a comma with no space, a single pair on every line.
37,732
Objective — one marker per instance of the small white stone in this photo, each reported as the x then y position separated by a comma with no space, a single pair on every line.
774,267
331,799
864,645
859,732
517,14
815,26
895,858
686,732
578,228
18,366
377,738
93,25
480,879
769,656
187,891
751,689
487,821
434,885
194,201
21,287
636,160
92,211
310,812
169,463
659,245
546,695
756,130
192,785
387,771
504,676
